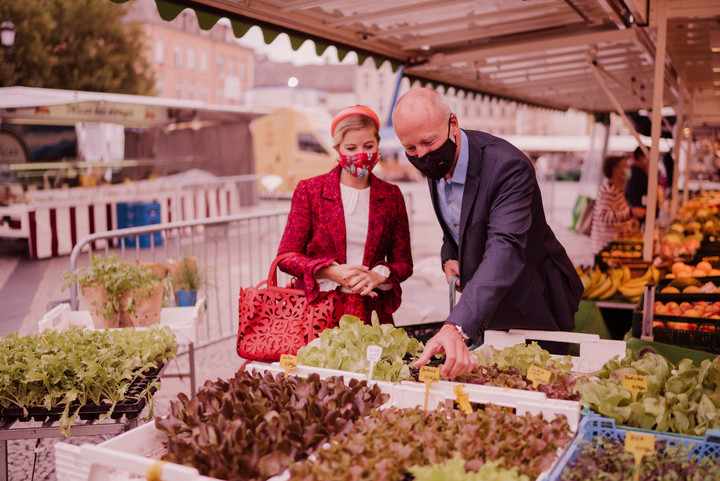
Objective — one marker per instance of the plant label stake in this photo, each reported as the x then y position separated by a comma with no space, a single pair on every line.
538,376
288,362
462,399
373,354
635,383
639,445
428,375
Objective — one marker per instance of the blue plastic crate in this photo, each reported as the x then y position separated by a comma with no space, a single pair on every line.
593,426
135,214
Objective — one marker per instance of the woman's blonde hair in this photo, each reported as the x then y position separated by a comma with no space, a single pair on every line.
354,122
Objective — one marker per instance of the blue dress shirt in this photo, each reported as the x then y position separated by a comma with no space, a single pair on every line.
450,192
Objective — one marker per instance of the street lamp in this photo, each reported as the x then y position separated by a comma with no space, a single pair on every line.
7,35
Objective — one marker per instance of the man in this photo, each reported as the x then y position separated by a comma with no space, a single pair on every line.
636,188
637,185
513,271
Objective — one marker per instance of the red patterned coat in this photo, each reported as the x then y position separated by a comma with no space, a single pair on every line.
316,229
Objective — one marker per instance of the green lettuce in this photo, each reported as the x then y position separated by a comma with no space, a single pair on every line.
345,348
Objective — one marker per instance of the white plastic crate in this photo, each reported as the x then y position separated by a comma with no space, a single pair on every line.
182,321
127,456
410,394
130,455
522,401
594,352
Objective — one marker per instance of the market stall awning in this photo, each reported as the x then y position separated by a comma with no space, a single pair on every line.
539,52
67,107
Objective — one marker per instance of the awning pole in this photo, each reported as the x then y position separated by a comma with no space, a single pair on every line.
677,139
688,150
621,112
658,90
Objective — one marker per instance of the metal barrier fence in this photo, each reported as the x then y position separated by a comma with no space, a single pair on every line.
224,195
232,252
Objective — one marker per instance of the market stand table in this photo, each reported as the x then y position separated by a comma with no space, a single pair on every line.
182,321
14,425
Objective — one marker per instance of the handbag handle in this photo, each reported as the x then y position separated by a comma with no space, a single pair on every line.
272,275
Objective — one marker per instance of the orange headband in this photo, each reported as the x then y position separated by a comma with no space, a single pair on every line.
354,110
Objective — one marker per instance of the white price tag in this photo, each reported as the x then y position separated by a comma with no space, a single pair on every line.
373,353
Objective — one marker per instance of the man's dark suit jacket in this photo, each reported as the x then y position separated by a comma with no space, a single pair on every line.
513,271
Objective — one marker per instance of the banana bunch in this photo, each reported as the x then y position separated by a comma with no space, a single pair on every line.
603,285
634,287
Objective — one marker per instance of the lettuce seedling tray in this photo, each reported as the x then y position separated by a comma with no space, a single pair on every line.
129,408
594,352
593,427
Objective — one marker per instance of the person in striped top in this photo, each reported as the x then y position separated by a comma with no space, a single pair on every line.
611,215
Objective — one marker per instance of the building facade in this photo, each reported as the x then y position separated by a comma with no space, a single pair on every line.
191,63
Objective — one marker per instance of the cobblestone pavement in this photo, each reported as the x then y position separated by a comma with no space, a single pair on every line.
425,299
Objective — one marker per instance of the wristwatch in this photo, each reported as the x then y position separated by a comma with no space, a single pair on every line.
460,331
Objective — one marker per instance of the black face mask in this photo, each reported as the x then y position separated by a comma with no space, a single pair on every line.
437,163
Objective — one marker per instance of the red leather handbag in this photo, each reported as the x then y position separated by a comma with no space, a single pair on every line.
278,320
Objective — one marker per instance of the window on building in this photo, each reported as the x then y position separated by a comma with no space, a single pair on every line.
160,85
231,67
502,112
490,111
204,95
160,51
220,65
178,55
191,58
178,89
191,90
308,143
203,60
243,69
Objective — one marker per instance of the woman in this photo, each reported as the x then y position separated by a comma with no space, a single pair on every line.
611,215
349,227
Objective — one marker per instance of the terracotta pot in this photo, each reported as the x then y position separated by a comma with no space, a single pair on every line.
147,310
95,297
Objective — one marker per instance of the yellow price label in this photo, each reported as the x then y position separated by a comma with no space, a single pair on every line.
538,375
462,398
635,383
639,445
288,362
428,375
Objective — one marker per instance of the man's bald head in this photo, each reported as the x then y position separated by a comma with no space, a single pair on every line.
423,103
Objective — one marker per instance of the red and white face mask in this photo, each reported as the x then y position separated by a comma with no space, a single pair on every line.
358,165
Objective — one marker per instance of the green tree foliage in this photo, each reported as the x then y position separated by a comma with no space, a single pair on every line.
75,44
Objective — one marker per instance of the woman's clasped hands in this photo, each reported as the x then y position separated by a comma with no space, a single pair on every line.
355,278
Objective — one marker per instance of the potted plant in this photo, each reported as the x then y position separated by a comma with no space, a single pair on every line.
119,293
186,279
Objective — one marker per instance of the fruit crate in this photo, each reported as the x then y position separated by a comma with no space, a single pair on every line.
663,283
637,267
702,334
593,427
